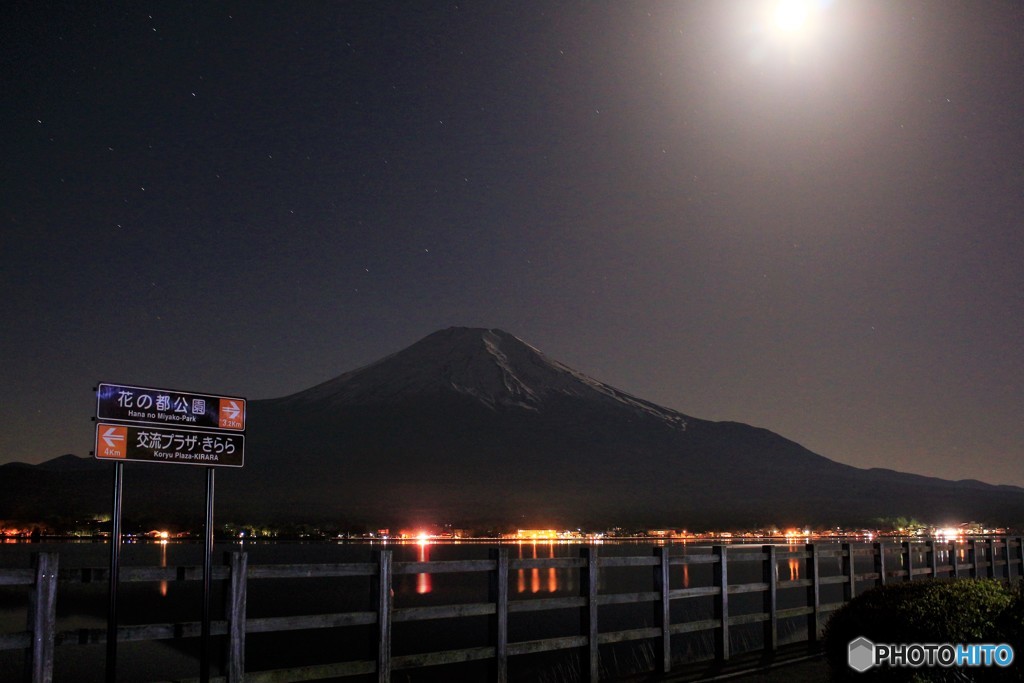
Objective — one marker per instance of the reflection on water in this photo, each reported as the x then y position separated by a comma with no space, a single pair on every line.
525,582
535,574
423,581
82,605
163,563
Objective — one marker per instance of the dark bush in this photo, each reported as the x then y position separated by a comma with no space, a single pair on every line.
937,611
1010,627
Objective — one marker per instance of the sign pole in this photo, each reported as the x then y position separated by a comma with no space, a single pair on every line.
204,656
165,425
115,570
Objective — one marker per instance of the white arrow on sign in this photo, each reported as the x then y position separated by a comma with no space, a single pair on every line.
232,410
112,437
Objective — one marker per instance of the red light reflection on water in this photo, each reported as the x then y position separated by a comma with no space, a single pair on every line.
163,563
535,573
424,584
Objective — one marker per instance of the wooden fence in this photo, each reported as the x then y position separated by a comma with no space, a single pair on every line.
992,558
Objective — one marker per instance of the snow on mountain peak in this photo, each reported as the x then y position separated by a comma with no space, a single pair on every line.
489,365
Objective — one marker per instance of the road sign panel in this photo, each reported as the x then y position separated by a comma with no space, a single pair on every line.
232,413
177,446
111,441
169,408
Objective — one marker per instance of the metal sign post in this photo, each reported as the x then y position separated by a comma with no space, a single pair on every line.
204,652
115,568
169,426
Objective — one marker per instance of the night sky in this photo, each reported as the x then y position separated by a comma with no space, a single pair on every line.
817,230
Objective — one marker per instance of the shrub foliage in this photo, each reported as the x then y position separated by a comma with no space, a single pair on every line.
934,611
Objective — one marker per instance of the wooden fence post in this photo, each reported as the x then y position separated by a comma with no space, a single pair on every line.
909,551
972,558
662,608
722,606
499,595
880,562
933,555
991,558
385,601
588,616
849,571
954,559
42,617
770,574
237,591
1006,557
814,593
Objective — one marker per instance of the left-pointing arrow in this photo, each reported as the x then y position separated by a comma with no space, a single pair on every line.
112,436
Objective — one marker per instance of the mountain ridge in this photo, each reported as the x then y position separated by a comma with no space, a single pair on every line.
492,373
475,425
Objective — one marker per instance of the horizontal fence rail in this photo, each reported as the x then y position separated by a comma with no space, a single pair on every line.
890,562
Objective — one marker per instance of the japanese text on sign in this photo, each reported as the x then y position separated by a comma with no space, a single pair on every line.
128,442
160,406
184,443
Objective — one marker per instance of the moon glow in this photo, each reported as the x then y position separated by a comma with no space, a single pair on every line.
791,16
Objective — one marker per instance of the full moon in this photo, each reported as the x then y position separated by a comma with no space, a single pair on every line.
791,16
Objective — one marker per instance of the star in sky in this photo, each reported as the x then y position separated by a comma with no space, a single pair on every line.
813,231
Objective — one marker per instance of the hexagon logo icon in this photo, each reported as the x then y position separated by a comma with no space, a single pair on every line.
862,655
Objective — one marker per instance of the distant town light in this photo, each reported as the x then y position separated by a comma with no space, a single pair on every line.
537,534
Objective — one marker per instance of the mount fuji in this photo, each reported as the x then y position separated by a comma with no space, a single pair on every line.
476,427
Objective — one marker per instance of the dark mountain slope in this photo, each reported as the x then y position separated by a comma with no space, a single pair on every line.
474,426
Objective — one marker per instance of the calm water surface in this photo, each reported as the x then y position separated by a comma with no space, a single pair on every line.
85,605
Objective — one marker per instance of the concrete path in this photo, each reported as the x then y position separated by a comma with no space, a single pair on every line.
791,664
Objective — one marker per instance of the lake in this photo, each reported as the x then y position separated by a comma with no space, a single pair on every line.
84,606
